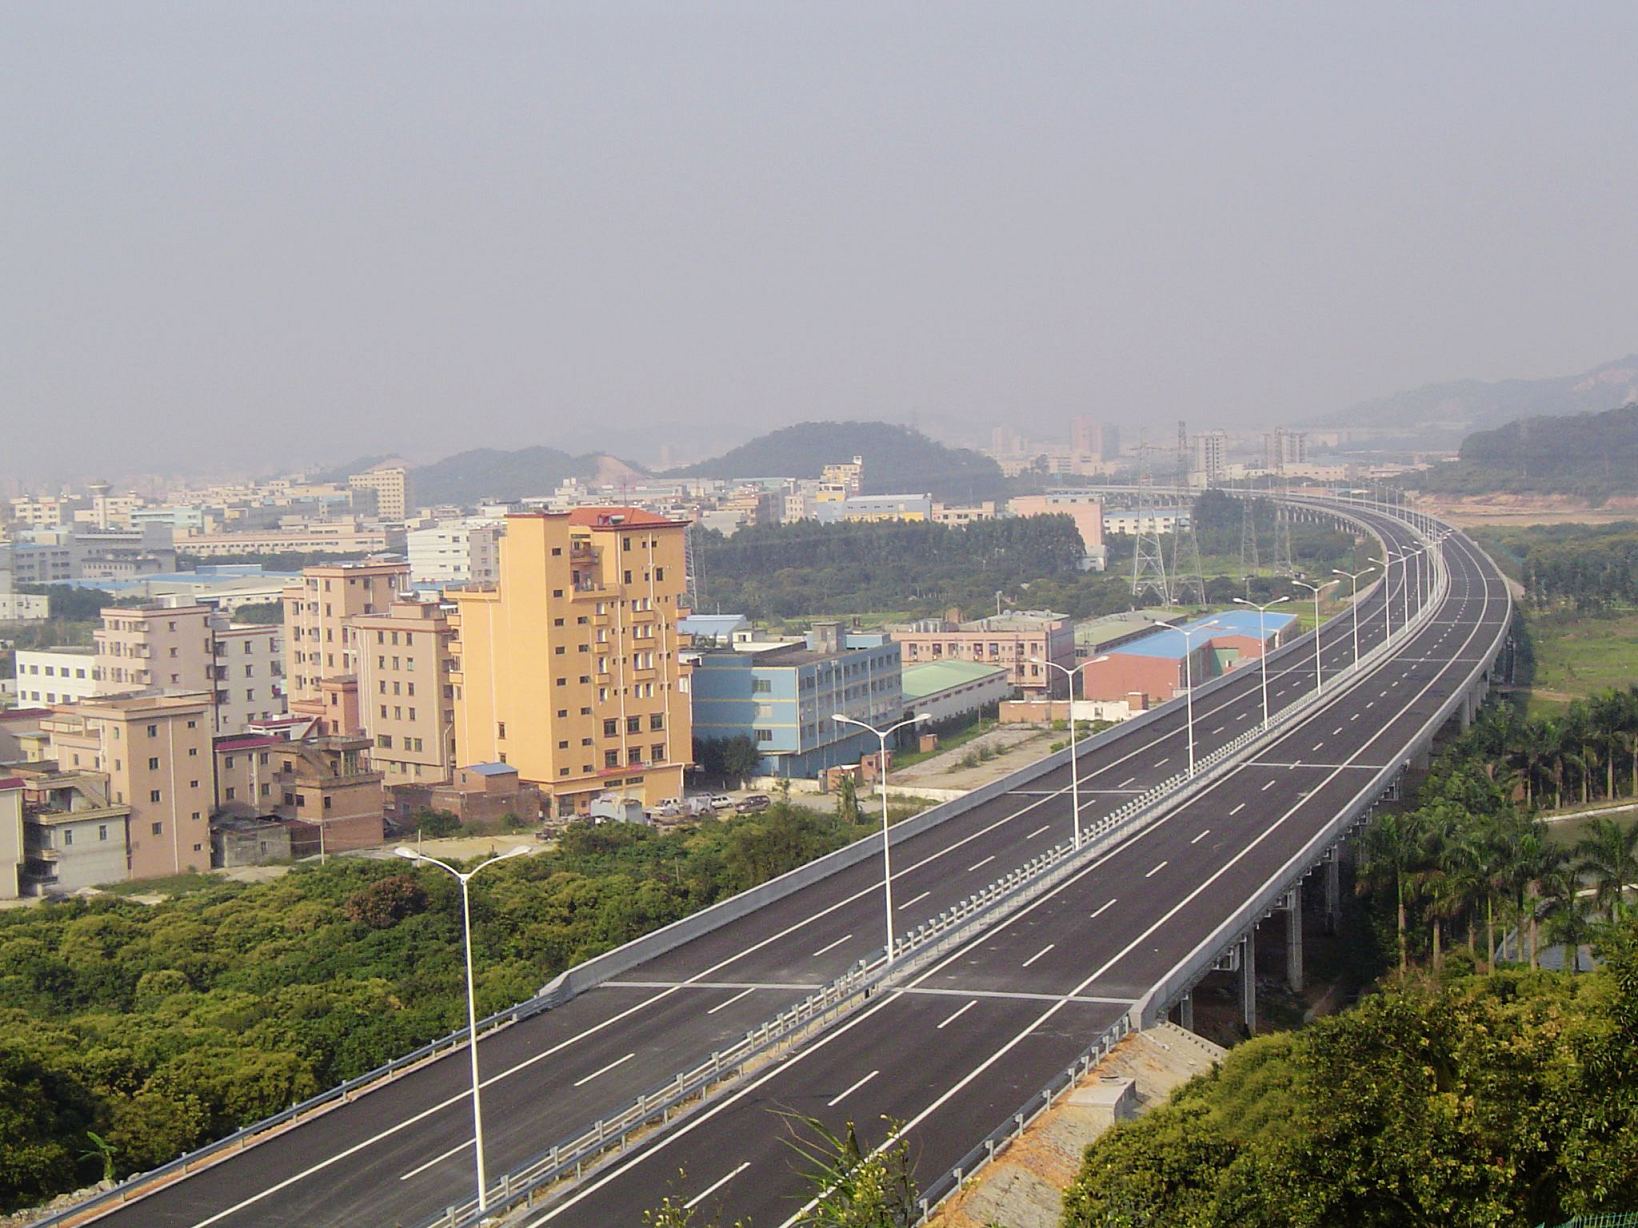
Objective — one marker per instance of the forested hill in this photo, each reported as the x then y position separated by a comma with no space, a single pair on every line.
896,459
1593,455
489,473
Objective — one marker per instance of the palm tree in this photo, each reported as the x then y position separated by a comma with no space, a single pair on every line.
1608,853
1569,921
1391,851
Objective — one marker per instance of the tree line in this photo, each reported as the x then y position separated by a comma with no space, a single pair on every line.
1586,568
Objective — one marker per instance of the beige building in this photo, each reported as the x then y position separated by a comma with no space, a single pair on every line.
56,675
155,648
73,835
568,669
248,672
328,782
316,614
156,754
1017,641
390,488
406,698
11,837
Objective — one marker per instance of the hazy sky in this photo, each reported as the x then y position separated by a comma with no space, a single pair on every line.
262,234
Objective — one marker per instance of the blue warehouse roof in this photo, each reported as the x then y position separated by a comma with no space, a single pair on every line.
1173,644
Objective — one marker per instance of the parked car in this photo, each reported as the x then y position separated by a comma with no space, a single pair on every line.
668,802
755,803
721,801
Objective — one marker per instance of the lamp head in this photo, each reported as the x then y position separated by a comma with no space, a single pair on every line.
923,716
408,854
515,852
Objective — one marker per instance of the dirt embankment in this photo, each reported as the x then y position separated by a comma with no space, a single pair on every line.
1480,511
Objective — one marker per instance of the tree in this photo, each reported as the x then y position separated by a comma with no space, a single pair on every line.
739,758
386,902
854,1187
847,800
1609,854
1391,852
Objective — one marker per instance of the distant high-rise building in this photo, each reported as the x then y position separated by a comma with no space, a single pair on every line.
406,699
1282,447
1090,439
317,639
390,488
1211,456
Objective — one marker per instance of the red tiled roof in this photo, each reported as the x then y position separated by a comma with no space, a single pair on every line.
11,782
630,518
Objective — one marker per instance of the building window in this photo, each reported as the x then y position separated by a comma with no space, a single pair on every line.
500,730
159,829
68,835
102,831
153,795
634,724
656,721
657,752
611,758
611,728
153,731
764,735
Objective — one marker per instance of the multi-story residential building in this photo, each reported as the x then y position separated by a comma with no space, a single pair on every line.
959,515
1092,441
406,698
328,782
784,695
24,607
12,857
316,613
568,669
42,511
247,673
1210,457
156,753
74,835
245,773
465,550
1020,641
843,480
1282,448
56,675
155,647
389,488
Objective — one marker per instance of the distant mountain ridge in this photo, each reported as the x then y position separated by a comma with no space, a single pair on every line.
1454,409
897,460
1591,455
490,473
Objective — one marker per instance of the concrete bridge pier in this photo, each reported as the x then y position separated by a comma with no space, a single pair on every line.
1333,889
1248,980
1293,938
1185,1012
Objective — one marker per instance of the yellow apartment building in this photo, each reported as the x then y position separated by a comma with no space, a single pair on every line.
316,613
156,753
389,486
568,668
406,698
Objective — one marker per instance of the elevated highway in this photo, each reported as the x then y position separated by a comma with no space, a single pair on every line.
1114,939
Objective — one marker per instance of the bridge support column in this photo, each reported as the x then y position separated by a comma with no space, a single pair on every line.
1185,1012
1248,981
1293,938
1333,890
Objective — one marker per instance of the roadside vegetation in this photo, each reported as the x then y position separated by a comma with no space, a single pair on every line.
156,1028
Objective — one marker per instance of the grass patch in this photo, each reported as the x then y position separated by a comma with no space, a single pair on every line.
1578,655
946,742
174,885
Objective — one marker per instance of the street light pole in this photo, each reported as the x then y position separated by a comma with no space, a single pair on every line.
465,877
1405,582
1074,760
887,865
1319,676
1262,634
1386,563
1354,576
1188,675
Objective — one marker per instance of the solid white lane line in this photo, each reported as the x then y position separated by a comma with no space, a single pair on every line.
831,946
831,1104
977,865
617,1062
1101,909
714,1187
1038,831
1204,832
416,1172
958,1014
917,900
722,1005
1156,870
1038,954
1237,809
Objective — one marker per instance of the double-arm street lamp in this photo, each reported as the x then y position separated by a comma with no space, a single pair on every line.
1074,762
1386,563
1262,635
1406,580
887,864
1316,589
1354,576
1188,634
465,877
